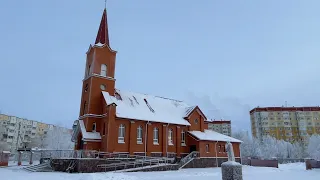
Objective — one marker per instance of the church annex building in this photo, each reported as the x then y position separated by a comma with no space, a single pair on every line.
118,121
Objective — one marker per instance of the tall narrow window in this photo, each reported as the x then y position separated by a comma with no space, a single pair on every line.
94,127
121,133
86,88
207,148
170,137
88,71
155,136
84,107
104,129
103,70
139,135
183,138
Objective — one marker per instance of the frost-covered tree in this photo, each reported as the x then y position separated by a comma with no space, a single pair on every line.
4,146
58,138
269,147
249,147
37,142
314,147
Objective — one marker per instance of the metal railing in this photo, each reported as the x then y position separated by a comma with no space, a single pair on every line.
188,158
143,162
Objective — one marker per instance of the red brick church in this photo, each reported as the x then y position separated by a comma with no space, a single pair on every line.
113,120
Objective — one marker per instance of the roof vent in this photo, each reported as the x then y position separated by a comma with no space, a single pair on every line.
131,102
152,110
135,99
117,95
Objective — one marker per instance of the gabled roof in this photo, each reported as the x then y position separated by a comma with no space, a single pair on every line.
209,135
147,107
86,136
193,108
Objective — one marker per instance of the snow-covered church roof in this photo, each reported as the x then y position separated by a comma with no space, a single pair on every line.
209,135
149,108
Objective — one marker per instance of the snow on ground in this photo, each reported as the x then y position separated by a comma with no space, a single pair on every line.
295,171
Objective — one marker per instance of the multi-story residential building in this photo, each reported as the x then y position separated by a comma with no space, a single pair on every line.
287,123
220,126
20,132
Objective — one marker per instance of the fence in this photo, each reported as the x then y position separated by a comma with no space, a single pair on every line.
38,154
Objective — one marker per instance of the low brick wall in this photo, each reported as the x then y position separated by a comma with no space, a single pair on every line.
207,162
82,165
171,167
310,164
89,165
264,163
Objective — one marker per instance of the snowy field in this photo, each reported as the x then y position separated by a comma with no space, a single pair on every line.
294,171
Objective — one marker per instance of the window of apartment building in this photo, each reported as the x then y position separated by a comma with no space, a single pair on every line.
155,136
170,137
183,138
121,133
139,135
207,148
103,70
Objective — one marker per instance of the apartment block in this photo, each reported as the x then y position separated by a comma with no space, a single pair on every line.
287,123
220,126
19,132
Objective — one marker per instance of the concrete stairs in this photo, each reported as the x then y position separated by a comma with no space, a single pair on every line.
44,167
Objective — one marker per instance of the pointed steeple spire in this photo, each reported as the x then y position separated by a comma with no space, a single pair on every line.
103,35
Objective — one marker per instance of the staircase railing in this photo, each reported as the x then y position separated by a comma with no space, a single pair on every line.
188,158
133,164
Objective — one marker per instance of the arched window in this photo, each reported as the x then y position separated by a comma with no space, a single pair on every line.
183,138
207,148
139,135
103,70
170,137
121,133
155,136
94,127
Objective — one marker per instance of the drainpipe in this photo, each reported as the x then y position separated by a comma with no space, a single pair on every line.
167,143
216,154
146,140
240,153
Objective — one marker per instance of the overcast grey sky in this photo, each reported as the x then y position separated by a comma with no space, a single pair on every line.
226,56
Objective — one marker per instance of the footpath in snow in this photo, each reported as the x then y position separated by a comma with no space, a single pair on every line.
295,171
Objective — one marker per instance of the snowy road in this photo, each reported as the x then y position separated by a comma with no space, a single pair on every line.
289,171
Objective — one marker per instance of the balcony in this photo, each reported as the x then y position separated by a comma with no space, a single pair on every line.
11,133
